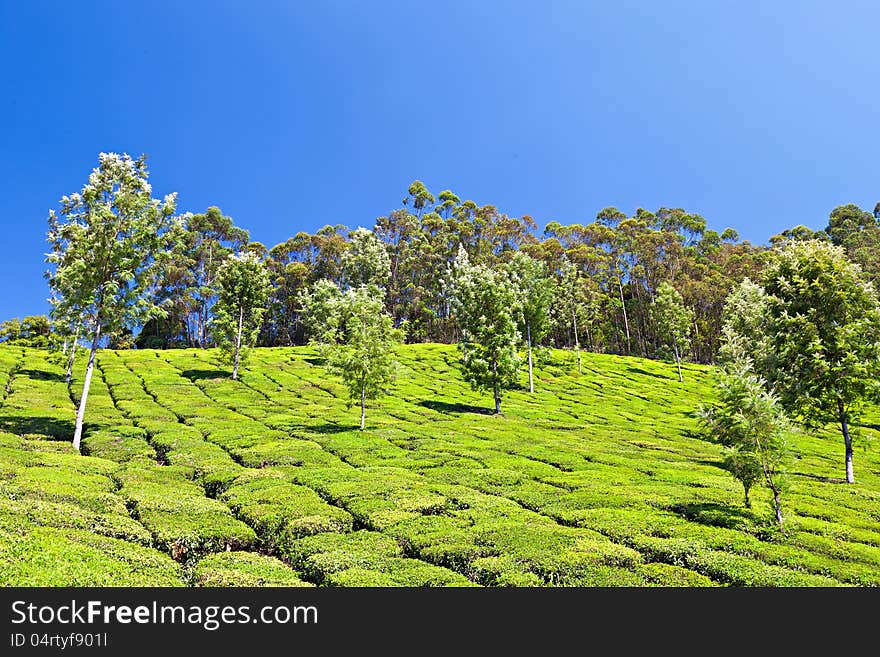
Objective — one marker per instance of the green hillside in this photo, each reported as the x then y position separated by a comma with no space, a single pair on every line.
597,479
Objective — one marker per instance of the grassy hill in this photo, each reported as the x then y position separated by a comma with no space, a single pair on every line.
599,479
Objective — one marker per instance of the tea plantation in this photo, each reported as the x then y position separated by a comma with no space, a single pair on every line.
599,479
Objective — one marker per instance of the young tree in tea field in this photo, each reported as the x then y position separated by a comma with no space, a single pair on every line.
673,320
243,283
825,336
749,422
104,241
485,308
534,291
360,342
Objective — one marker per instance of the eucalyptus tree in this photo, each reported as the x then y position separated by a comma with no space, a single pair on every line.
208,239
824,321
105,239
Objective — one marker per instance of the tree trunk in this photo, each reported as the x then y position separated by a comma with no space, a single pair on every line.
747,501
777,505
363,406
847,441
625,318
577,343
237,344
529,338
495,387
70,358
81,411
678,361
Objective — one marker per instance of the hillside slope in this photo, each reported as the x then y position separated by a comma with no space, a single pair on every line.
597,479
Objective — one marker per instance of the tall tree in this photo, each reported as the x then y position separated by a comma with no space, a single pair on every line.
485,307
673,320
359,341
857,231
238,314
569,300
105,240
825,336
210,237
534,291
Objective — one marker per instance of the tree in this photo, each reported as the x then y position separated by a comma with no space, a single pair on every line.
359,341
366,260
485,307
673,320
534,291
825,336
569,298
105,239
749,422
238,314
210,237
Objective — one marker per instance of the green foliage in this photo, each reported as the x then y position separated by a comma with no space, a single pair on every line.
672,319
534,291
745,329
749,423
858,231
825,336
486,311
320,309
103,252
104,241
243,289
362,350
32,331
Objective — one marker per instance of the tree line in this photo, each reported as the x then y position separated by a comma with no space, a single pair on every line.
802,341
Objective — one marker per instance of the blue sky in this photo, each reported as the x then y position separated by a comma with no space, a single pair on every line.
289,116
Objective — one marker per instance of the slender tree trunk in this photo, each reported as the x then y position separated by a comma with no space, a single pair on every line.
677,361
70,358
577,343
237,344
495,387
625,318
363,406
529,338
777,506
747,501
81,411
847,441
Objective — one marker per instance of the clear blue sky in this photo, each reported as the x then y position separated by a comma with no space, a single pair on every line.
291,115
